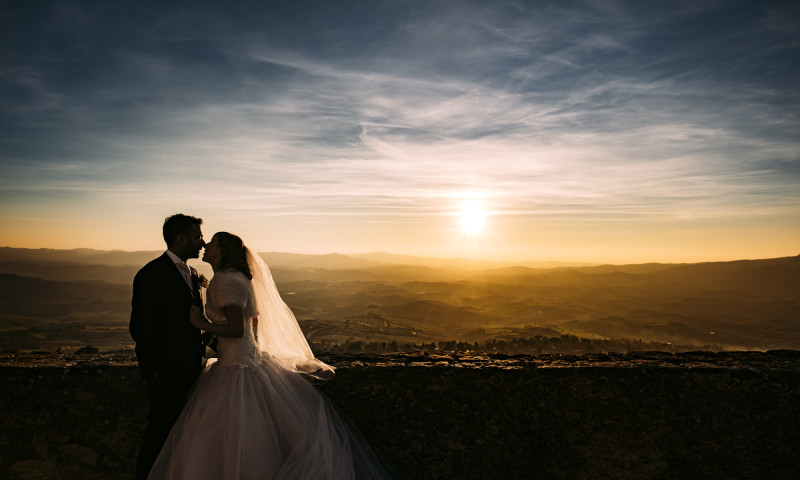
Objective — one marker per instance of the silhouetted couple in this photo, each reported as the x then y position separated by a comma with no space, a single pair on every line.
252,413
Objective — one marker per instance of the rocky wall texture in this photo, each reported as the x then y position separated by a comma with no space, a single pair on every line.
637,416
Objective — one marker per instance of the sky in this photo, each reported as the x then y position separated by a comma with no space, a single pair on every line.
597,131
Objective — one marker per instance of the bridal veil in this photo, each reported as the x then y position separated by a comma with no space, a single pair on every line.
278,332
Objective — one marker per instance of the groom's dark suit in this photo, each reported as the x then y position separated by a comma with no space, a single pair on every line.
169,349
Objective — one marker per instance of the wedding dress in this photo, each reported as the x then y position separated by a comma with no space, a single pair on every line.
253,414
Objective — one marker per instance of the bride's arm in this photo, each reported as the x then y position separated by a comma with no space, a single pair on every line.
234,328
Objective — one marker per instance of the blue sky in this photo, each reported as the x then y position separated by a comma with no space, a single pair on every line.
594,130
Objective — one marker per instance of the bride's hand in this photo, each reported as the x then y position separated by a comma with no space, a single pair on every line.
197,318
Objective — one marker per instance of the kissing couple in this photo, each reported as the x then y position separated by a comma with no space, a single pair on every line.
252,414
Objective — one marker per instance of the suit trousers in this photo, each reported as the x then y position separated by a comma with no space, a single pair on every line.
166,396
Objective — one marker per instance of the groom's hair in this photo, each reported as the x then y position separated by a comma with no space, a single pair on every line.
178,224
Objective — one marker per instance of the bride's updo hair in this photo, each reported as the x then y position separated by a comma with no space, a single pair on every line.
232,253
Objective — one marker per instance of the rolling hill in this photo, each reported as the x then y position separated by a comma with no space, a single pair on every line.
47,300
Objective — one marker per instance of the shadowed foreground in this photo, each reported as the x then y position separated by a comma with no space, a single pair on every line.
641,415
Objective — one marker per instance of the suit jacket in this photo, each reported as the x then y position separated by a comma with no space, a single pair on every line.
166,341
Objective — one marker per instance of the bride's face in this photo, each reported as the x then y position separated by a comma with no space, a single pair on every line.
212,253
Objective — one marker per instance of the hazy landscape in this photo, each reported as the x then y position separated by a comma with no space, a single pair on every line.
67,299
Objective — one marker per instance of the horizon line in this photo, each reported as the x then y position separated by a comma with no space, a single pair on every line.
423,257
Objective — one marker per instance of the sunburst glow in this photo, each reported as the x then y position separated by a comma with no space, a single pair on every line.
473,218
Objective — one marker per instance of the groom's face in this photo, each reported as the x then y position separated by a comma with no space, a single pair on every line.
194,242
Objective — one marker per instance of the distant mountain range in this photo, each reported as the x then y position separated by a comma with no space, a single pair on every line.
282,259
118,266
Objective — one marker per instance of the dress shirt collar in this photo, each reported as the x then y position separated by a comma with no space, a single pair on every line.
182,267
175,258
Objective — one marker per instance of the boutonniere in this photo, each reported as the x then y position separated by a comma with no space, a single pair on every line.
202,281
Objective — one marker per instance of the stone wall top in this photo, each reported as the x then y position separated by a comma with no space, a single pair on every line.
753,360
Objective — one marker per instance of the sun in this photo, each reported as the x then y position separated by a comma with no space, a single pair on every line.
473,218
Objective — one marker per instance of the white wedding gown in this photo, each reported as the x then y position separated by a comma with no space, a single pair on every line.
248,417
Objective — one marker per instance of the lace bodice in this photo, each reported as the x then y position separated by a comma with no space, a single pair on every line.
232,288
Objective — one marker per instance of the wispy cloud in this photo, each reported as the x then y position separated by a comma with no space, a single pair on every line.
396,111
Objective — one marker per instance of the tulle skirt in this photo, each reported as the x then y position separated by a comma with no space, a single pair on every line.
261,422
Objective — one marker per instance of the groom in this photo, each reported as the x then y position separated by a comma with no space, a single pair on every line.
168,348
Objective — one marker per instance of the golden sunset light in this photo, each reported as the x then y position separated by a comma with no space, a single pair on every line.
500,239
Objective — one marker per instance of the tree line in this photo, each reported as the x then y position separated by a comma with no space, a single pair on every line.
564,344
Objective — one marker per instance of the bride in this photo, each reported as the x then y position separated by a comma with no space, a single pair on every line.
253,414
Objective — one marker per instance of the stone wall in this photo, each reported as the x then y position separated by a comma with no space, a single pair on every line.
634,416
